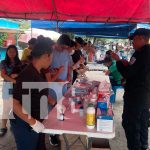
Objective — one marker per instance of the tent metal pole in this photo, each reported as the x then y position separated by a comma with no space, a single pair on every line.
57,27
31,32
17,36
55,12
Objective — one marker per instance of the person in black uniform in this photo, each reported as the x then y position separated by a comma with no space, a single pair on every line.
77,54
27,124
135,118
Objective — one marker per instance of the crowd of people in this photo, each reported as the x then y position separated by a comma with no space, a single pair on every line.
42,61
47,61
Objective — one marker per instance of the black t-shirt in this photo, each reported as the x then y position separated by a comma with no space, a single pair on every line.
30,76
19,68
76,56
137,75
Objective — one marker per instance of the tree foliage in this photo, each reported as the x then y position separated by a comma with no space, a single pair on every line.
3,37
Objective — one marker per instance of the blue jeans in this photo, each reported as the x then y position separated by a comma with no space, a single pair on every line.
25,137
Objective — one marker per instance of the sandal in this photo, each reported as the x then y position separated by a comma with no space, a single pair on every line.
3,131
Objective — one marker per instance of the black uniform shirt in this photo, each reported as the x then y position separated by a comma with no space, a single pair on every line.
137,75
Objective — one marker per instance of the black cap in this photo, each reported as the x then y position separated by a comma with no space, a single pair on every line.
79,40
64,39
140,31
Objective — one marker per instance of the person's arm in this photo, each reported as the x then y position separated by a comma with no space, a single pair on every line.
69,73
139,64
55,77
18,110
130,70
21,112
17,107
126,70
77,64
48,77
107,72
6,77
51,101
14,76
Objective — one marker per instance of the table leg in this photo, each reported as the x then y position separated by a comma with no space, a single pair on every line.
82,142
68,146
66,142
89,143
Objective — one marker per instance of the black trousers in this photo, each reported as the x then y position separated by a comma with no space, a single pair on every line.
135,123
25,137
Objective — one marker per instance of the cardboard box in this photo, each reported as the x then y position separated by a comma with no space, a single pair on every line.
100,144
105,123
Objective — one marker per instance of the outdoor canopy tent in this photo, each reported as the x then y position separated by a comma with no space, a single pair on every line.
120,33
78,10
89,29
105,36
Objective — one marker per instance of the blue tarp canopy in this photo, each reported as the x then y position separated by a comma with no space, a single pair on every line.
104,30
108,37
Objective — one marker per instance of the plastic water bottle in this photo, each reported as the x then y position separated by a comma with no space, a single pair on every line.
90,117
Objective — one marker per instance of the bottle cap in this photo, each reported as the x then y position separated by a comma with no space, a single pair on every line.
90,105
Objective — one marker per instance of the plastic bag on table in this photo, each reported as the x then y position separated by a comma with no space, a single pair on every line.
104,86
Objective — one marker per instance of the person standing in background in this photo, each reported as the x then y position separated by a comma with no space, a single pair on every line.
85,52
26,52
61,57
74,66
114,75
7,66
77,54
52,74
27,125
